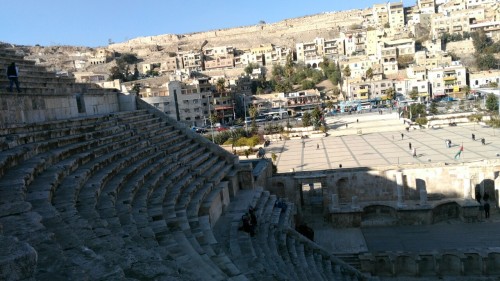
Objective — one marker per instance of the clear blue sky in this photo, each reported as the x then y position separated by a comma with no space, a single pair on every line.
92,22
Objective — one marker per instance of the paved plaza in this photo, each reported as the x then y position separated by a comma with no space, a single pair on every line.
372,140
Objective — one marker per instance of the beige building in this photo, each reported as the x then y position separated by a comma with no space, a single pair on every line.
448,80
482,79
456,22
354,42
312,53
220,62
186,103
191,61
90,77
170,64
427,6
432,59
381,14
396,14
452,6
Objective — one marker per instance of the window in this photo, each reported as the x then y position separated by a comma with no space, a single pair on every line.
439,76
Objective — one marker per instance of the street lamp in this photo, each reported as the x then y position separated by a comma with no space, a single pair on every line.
210,119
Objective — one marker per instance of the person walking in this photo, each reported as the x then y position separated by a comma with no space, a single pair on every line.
483,141
402,136
12,74
414,152
317,146
473,137
409,145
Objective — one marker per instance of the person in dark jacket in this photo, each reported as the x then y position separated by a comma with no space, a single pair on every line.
12,74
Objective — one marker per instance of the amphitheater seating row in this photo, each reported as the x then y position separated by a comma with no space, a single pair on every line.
99,200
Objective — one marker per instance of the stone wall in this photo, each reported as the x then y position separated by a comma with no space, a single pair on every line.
415,194
283,33
451,263
80,102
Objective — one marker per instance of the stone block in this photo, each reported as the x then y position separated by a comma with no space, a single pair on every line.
18,260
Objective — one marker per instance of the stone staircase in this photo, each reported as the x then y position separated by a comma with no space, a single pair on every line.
277,251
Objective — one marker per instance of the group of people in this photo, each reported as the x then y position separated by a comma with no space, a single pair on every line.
249,222
483,141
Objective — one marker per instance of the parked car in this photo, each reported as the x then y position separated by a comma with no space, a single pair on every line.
199,130
221,129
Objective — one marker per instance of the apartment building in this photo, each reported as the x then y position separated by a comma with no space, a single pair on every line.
191,61
373,40
101,56
358,65
312,53
277,56
220,51
474,3
406,86
415,72
381,14
432,59
389,59
456,22
396,14
170,64
220,62
448,80
360,91
354,42
452,6
90,77
247,58
427,6
185,103
482,79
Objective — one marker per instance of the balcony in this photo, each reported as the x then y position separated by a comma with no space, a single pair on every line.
450,78
363,91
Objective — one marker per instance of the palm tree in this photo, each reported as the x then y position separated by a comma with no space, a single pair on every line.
220,85
329,105
369,75
347,73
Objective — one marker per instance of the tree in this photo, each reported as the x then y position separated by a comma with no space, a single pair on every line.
136,72
390,93
347,73
220,85
250,67
369,75
253,111
329,105
486,61
434,108
306,119
308,84
492,102
414,94
116,73
316,117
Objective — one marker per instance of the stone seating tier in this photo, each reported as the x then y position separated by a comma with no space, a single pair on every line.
277,252
86,193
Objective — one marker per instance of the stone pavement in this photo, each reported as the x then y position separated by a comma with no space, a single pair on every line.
380,144
448,235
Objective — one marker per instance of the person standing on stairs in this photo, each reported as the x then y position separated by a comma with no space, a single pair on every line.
12,74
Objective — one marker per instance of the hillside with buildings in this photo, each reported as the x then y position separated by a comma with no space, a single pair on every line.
422,52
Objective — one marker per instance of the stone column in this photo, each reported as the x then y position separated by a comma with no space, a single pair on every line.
481,183
400,189
467,189
497,192
334,202
355,203
423,197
